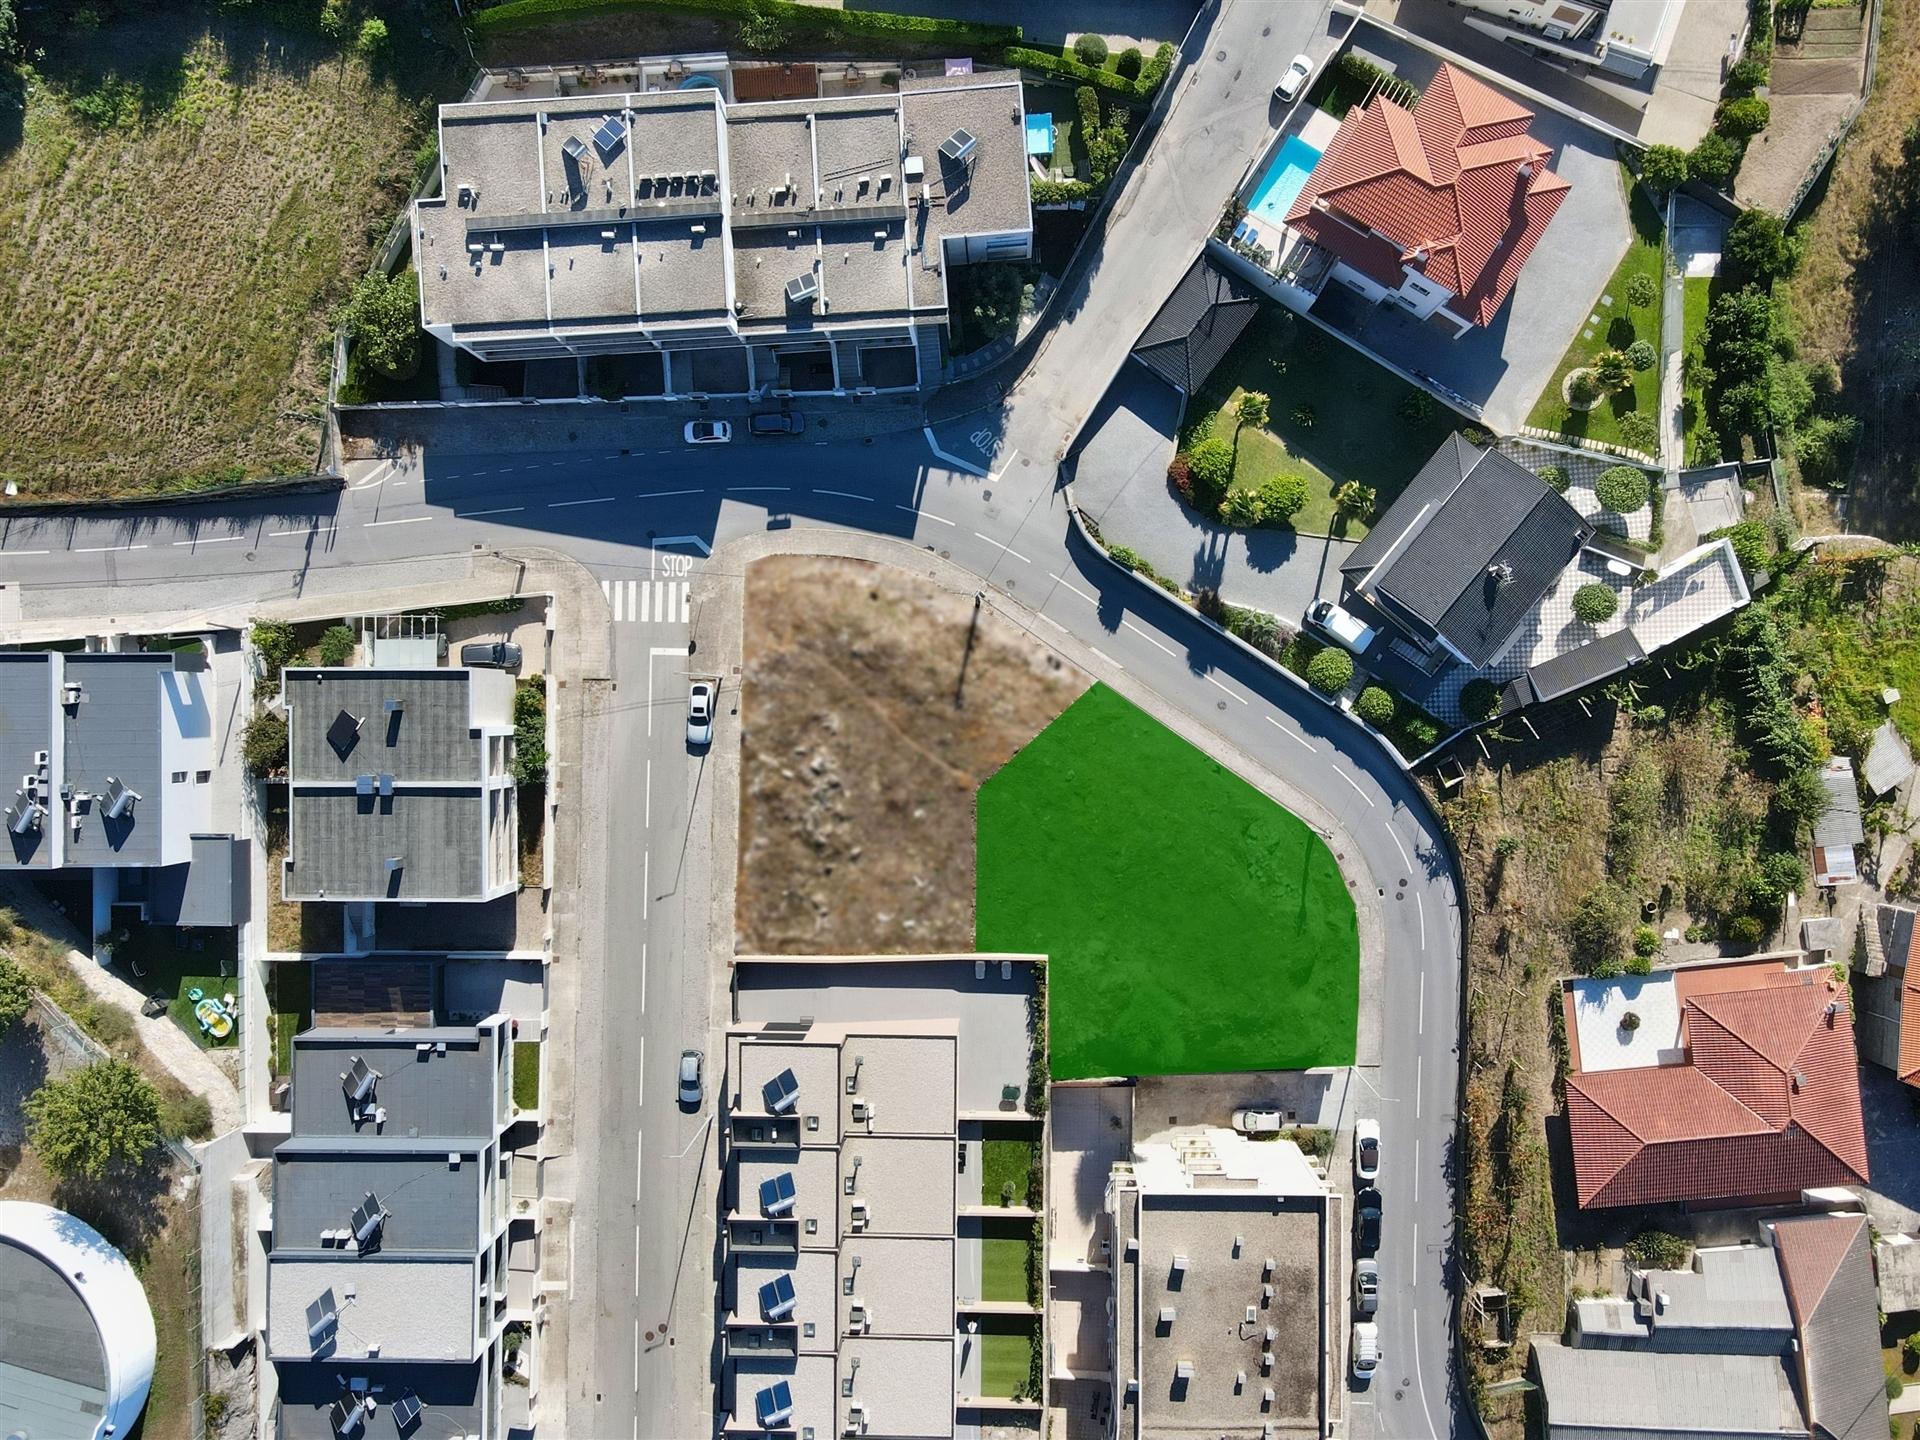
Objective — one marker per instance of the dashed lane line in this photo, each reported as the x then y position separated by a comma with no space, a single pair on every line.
662,494
1073,587
596,500
1147,636
216,540
846,495
103,549
1223,689
475,514
1355,784
322,530
1004,546
407,520
924,514
1292,736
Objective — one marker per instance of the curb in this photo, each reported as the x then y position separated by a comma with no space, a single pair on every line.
206,495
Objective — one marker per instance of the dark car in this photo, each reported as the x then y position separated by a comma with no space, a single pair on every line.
776,422
1366,1221
496,653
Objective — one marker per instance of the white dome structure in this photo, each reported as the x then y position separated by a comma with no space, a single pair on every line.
76,1332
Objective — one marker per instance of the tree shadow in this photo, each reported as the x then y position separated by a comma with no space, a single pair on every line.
127,1207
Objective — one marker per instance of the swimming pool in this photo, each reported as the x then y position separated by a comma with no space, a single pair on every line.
1274,196
1039,134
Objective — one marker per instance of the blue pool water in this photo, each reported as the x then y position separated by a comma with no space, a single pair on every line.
1040,134
1274,196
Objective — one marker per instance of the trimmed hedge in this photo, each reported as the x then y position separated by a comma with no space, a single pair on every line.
802,20
1059,192
1330,671
1622,488
1065,67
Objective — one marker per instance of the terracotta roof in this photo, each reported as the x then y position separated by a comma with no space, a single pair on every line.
1909,1066
1811,1252
1827,1270
1456,183
1767,1102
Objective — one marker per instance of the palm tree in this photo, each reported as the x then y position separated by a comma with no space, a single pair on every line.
1252,408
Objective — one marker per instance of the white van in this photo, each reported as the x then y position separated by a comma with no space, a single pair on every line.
1364,1352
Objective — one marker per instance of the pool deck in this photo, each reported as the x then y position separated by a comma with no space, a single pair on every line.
1316,130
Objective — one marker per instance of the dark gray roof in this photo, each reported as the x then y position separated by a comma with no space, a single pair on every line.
52,1366
1839,1323
1208,310
342,842
1652,1395
453,1398
26,728
430,738
211,890
424,1093
435,1206
1581,666
1430,559
1839,824
114,733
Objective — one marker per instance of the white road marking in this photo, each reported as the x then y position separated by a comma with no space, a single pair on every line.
1419,1070
662,494
924,514
1291,736
636,1262
1106,657
611,589
643,977
217,540
1055,623
409,520
639,1160
596,500
845,495
1421,1025
693,540
1405,859
1147,636
640,1093
636,1358
1356,784
102,549
1416,1172
503,510
29,552
1073,587
1218,686
1008,548
310,530
646,891
752,489
646,820
1420,902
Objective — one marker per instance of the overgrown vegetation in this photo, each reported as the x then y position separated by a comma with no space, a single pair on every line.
95,1121
530,731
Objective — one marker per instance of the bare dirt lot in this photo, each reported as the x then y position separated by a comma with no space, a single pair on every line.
873,708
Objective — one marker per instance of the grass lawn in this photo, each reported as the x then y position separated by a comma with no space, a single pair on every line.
1058,101
1002,1161
290,993
526,1074
1697,294
1357,430
1141,979
1003,1269
163,960
1006,1357
1620,325
190,192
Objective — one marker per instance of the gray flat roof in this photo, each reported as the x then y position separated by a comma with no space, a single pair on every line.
342,842
115,733
1730,1289
429,738
427,1094
402,1307
992,194
1652,1394
453,1398
53,1371
434,1207
26,728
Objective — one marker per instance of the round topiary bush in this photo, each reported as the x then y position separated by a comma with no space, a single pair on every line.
1581,390
1641,355
1622,488
1210,463
1638,432
1479,698
1641,290
1375,706
1554,477
1595,602
1091,50
1129,63
1330,671
1742,117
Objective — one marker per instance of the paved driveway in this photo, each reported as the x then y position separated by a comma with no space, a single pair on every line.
1893,1157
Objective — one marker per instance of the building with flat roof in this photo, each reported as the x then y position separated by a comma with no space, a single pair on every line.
840,1221
1222,1323
1628,38
387,1273
76,1332
755,248
400,785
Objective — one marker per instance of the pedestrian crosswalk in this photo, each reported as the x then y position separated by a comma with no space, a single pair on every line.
668,602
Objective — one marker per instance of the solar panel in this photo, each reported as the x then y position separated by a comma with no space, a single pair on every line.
406,1410
321,1315
367,1216
774,1405
777,1194
777,1298
607,139
358,1081
344,733
782,1092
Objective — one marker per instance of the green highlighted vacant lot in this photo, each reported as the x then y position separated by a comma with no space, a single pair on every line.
1191,924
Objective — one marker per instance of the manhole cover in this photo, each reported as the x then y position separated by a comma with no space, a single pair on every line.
1219,704
1219,54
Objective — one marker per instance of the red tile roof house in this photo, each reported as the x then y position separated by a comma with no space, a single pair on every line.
1736,1084
1437,207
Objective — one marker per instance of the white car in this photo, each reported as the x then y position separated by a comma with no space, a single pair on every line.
708,432
700,714
692,1088
1366,1287
1364,1352
1257,1122
1296,76
1342,626
1366,1150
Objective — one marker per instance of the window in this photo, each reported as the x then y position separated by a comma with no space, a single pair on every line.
179,777
201,777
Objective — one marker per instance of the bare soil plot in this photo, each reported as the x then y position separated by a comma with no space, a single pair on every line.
872,709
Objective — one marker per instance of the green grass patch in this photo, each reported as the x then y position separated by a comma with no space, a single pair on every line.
1006,1357
526,1074
1620,325
1142,980
290,992
1003,1269
1003,1162
1334,416
170,962
1058,101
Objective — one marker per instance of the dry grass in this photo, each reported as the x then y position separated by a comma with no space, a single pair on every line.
1856,301
168,277
859,765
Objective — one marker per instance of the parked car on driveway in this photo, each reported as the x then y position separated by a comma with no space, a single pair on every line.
1341,626
776,422
1296,76
700,714
1366,1287
1363,1354
1366,1221
497,654
1257,1122
1366,1150
708,432
692,1087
